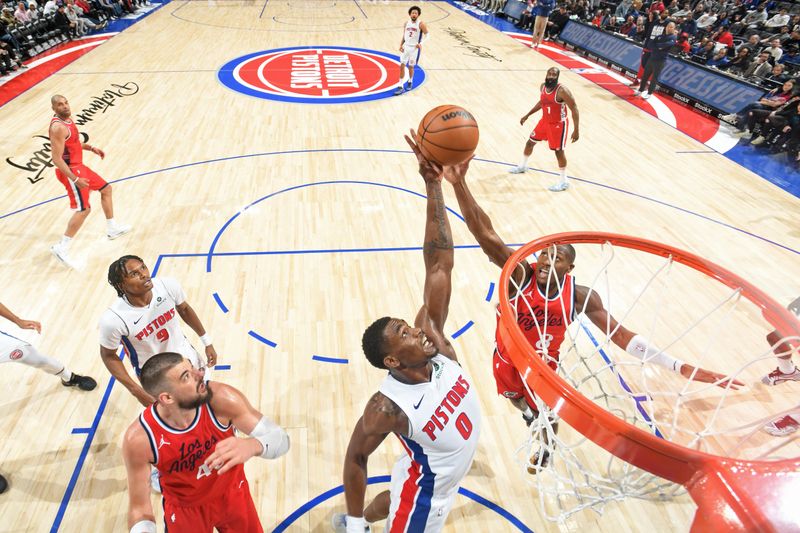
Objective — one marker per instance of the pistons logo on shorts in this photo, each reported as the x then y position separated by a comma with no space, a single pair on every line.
315,75
15,355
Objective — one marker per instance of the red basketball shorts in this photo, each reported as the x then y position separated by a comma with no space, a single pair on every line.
509,382
555,133
79,198
232,512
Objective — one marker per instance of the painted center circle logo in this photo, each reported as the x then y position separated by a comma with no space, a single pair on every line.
316,74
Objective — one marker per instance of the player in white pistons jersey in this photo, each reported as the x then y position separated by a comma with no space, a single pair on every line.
426,400
145,321
415,32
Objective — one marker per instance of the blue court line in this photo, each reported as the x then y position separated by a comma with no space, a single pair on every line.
370,150
219,302
463,329
359,8
263,8
90,434
262,339
303,186
328,494
78,431
491,289
329,359
222,367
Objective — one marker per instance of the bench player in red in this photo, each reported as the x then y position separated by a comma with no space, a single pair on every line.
552,300
553,127
188,435
67,152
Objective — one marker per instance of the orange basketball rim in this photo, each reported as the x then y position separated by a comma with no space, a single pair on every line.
731,494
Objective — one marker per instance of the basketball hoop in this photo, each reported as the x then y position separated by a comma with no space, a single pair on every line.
733,493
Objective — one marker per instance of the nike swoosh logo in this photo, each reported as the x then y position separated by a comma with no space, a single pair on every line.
419,402
137,320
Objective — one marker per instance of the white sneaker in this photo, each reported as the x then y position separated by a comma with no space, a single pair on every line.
118,231
782,426
645,95
758,140
61,255
558,187
729,118
517,170
155,481
637,92
777,377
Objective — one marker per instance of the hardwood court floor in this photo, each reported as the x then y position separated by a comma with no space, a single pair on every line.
197,153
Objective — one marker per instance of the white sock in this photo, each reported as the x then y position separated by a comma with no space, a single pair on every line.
524,163
111,223
786,365
562,173
527,413
65,374
64,242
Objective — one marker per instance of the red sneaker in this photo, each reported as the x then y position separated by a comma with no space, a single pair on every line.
782,426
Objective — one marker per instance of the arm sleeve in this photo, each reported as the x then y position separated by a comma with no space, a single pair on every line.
111,330
174,289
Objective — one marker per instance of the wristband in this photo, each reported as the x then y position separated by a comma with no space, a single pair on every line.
641,348
206,340
144,526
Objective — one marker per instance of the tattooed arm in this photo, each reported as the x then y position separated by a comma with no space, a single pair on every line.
437,250
381,417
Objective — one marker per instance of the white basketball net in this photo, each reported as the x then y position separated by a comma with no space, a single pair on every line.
687,315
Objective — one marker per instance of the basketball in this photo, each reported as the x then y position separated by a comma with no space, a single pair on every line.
448,134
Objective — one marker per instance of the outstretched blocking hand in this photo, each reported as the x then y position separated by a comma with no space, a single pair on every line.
429,170
707,376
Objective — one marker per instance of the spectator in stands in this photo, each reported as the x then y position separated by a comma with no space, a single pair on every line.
628,27
673,7
63,23
657,5
779,124
723,37
685,10
719,59
84,23
795,23
792,42
635,11
602,18
706,21
88,11
8,18
622,9
641,29
556,22
21,14
9,57
738,65
770,102
777,75
721,22
753,45
777,21
782,36
774,49
682,47
33,14
689,25
13,47
50,7
703,54
751,21
111,7
791,56
659,50
760,68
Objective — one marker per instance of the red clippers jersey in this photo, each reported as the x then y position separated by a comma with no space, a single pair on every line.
543,321
179,456
552,110
73,149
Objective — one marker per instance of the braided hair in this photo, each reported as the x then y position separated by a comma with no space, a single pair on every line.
116,272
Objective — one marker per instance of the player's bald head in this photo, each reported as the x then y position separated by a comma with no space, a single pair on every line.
56,98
